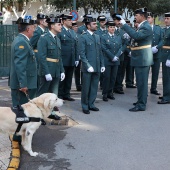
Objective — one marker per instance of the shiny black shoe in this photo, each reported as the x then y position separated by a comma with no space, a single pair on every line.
68,98
86,111
136,109
54,117
94,109
105,98
110,97
119,91
163,102
135,103
130,86
160,97
155,92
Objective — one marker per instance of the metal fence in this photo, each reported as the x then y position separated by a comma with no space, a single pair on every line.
7,34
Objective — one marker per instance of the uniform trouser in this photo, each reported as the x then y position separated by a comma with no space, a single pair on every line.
142,74
48,86
19,98
128,71
120,76
89,89
155,73
109,79
65,85
166,81
78,75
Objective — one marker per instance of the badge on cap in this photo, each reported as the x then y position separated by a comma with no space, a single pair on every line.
21,47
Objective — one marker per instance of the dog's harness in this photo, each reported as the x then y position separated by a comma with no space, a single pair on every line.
21,120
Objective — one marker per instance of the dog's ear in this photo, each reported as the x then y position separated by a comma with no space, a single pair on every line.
39,101
49,101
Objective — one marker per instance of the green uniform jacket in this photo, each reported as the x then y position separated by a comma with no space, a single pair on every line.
91,52
111,47
34,40
166,42
124,42
23,64
68,47
157,40
48,47
81,29
142,37
100,32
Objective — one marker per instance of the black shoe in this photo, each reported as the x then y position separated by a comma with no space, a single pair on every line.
105,98
55,117
86,111
136,109
163,102
135,103
68,98
130,86
155,92
111,97
119,91
94,109
160,97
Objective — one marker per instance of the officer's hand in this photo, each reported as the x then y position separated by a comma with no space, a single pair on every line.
168,63
126,36
122,21
76,63
24,90
154,50
62,76
102,69
115,59
48,77
90,69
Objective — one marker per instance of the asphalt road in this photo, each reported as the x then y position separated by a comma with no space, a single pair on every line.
111,139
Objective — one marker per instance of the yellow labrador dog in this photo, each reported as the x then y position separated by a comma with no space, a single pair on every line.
40,107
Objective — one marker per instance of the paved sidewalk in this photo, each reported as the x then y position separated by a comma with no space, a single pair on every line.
5,151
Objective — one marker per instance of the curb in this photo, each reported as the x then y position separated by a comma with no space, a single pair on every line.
15,155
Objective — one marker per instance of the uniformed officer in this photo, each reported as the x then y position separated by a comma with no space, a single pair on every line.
51,69
83,28
165,59
92,65
69,56
77,71
111,47
127,69
40,29
156,50
23,69
50,62
141,55
100,31
118,88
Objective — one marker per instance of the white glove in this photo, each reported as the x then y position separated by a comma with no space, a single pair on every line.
76,63
126,36
129,55
48,77
154,50
62,76
90,69
122,21
115,59
168,63
102,69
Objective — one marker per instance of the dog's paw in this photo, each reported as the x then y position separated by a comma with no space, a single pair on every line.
33,153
